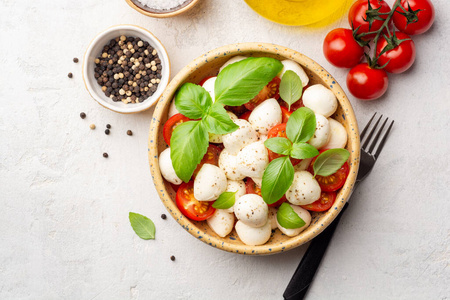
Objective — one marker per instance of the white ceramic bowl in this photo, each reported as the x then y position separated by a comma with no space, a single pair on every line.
94,50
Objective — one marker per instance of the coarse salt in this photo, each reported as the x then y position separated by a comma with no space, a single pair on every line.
162,4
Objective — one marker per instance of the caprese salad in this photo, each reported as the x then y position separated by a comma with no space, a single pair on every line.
254,149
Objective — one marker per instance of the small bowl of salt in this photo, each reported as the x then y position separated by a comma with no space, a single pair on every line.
162,8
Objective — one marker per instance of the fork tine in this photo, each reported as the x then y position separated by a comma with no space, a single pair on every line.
383,140
367,127
377,136
371,133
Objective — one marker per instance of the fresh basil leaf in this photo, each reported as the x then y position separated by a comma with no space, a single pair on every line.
193,101
303,151
225,200
189,143
301,125
288,218
328,162
217,120
143,226
277,179
279,145
291,87
240,82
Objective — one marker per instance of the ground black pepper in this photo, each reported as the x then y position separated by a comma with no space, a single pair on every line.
82,115
105,155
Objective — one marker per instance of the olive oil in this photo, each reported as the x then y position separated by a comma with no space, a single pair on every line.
301,12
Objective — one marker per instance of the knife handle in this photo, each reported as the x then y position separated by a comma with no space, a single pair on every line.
304,274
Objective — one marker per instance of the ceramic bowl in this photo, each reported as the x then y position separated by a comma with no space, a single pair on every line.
94,50
148,11
208,65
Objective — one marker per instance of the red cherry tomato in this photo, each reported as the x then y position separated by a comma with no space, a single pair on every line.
211,157
296,105
252,188
324,203
175,186
285,114
425,16
366,83
271,90
334,181
237,110
246,115
400,58
170,125
341,49
357,16
279,131
191,207
204,80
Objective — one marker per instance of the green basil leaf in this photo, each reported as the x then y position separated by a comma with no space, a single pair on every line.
303,151
189,143
193,101
240,82
225,200
217,120
288,218
301,125
279,145
291,88
277,179
328,162
143,226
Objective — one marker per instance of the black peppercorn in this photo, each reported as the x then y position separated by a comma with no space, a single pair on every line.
105,155
107,131
75,59
172,258
129,132
108,126
82,115
70,75
163,216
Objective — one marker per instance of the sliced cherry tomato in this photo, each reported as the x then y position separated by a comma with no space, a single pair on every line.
246,115
252,188
399,59
175,186
237,110
204,80
170,125
211,157
366,83
271,90
285,114
324,203
279,131
341,49
334,181
357,16
296,105
191,207
424,17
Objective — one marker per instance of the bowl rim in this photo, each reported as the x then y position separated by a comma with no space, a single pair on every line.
85,69
222,243
162,14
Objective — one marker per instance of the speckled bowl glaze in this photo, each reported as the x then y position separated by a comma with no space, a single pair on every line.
208,65
148,11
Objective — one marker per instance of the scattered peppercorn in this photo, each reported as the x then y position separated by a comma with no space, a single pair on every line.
82,115
172,258
108,126
106,131
105,155
129,132
75,59
163,216
92,126
70,75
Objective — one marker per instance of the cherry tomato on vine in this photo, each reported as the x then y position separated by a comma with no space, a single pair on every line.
422,20
400,58
271,90
324,203
191,207
170,125
252,188
341,49
367,83
357,16
279,131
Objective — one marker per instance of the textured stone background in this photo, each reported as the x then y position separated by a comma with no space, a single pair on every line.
64,225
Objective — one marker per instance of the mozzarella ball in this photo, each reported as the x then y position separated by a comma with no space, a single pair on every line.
209,183
257,181
265,116
237,186
173,109
253,236
253,159
240,138
209,86
338,134
296,68
303,214
304,189
231,61
262,137
228,164
221,222
322,134
166,167
320,99
273,217
217,138
303,165
251,210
